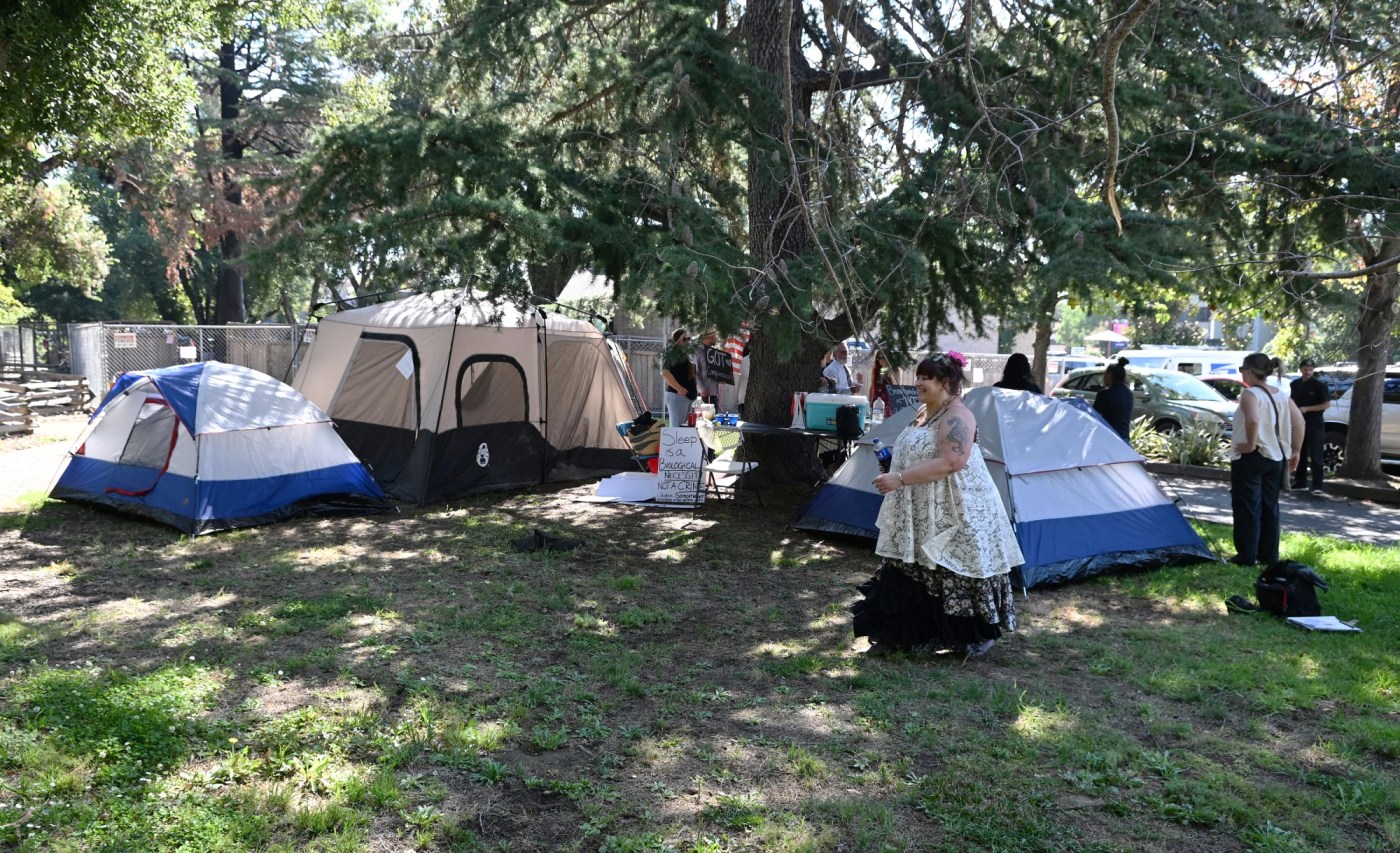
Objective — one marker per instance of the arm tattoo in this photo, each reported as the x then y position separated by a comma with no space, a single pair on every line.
957,435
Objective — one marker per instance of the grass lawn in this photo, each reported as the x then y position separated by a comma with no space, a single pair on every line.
412,682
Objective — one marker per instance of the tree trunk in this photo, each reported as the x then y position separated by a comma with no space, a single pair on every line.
778,232
1044,328
1377,320
228,296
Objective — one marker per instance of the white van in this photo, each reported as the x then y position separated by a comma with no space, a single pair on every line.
1196,361
1057,366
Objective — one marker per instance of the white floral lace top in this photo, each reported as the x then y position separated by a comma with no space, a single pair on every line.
958,522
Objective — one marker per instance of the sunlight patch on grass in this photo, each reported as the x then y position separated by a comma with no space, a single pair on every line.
1308,666
1068,617
487,736
62,569
1381,685
16,637
373,623
126,610
1036,723
218,601
29,501
325,556
587,623
778,650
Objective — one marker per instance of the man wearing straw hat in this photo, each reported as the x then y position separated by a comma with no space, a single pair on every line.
708,385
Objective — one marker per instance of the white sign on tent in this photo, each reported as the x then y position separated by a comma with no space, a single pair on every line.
680,466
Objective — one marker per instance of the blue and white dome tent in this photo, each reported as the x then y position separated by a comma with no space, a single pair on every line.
1079,497
212,446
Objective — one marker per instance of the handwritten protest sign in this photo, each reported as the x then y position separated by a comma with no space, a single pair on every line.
679,466
719,364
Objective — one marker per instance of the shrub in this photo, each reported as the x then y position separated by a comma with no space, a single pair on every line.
1203,444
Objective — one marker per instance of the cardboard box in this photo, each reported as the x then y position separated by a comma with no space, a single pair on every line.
821,410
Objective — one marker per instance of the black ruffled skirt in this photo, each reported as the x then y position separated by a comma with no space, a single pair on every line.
907,606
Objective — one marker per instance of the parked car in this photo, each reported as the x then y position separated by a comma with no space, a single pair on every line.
1338,418
1059,366
1230,387
1170,398
1337,377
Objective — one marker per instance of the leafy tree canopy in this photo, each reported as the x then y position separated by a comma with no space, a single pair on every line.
80,77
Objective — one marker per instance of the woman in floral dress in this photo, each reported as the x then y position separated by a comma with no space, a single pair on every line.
946,545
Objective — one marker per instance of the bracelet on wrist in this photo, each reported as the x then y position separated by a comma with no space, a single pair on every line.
900,475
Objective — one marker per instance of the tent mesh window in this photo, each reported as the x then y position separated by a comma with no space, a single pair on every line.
149,444
380,386
491,390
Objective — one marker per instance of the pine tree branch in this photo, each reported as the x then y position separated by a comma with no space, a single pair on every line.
1380,266
585,103
846,81
1110,108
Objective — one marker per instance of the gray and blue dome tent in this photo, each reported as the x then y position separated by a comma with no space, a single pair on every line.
1079,496
212,446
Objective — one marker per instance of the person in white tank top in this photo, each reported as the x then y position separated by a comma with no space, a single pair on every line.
1268,439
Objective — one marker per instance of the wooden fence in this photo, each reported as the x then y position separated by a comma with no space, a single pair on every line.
25,395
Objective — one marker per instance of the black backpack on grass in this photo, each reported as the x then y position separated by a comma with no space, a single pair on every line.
1289,588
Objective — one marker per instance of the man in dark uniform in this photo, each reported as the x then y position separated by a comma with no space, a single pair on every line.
1310,396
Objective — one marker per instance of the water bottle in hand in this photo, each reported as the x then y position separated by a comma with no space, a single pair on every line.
883,455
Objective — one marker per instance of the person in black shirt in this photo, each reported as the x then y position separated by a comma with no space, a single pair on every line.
1115,401
1016,376
1312,399
678,372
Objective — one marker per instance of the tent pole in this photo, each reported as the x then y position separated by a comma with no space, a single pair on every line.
542,348
442,397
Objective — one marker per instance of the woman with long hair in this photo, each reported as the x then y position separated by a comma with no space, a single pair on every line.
1016,376
1115,401
946,545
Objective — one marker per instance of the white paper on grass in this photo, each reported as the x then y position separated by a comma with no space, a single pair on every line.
628,486
405,365
1322,623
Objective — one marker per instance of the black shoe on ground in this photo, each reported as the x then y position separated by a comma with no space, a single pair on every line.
1237,560
881,650
1240,604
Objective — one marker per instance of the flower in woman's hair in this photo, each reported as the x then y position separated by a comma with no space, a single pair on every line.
958,357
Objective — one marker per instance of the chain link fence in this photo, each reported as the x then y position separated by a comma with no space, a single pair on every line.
30,347
104,351
10,351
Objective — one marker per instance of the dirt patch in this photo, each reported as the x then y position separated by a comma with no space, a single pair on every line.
31,462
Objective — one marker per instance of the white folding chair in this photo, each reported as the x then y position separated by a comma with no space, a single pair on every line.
724,475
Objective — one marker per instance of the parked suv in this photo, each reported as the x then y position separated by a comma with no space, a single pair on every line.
1338,417
1169,398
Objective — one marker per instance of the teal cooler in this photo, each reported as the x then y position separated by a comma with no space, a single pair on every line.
821,410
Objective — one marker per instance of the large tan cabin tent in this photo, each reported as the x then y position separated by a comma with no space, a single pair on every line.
442,395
